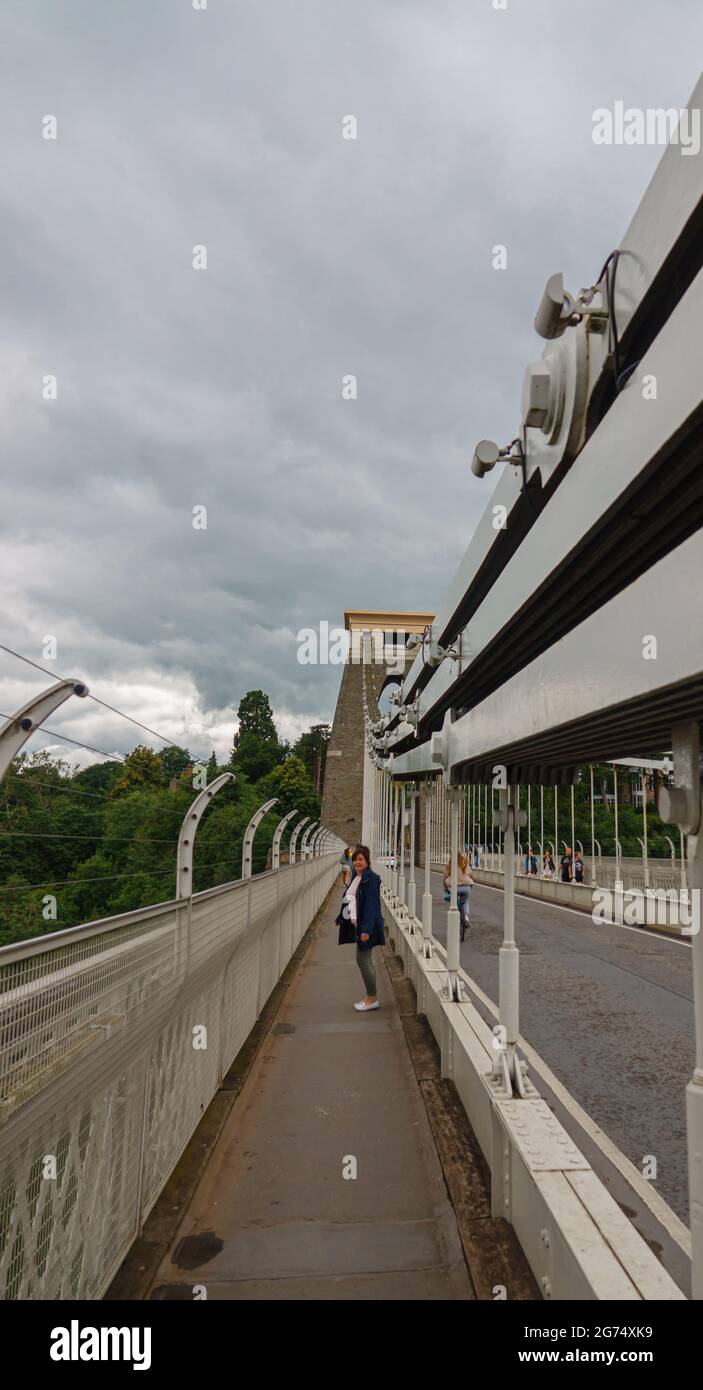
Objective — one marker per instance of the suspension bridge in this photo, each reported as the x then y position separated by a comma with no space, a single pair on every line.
189,1107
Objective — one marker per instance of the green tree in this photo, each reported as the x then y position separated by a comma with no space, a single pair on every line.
21,911
174,761
311,748
256,717
292,784
254,756
141,768
256,749
99,777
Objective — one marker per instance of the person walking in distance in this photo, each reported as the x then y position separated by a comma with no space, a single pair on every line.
578,867
548,865
567,866
360,920
346,864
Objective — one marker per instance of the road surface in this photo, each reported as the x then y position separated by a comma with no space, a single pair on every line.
608,1008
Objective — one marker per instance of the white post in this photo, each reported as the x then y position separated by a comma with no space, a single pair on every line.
645,855
401,873
683,805
427,895
618,874
395,844
573,827
509,956
541,828
389,834
453,940
694,1090
412,887
386,830
593,832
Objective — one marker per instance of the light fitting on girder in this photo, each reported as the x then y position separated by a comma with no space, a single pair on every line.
487,454
558,309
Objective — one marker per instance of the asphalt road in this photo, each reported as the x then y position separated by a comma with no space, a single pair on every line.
609,1008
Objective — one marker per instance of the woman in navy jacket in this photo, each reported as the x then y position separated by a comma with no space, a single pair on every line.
361,920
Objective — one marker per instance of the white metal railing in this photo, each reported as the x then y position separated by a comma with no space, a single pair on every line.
114,1037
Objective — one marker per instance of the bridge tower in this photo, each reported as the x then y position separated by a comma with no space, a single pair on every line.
386,663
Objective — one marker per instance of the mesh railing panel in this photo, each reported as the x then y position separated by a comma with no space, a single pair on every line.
114,1041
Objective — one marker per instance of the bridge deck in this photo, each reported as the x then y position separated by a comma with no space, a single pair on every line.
273,1216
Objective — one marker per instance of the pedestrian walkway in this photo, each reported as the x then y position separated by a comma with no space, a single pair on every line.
331,1091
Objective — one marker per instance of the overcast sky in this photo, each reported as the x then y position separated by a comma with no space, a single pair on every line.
180,388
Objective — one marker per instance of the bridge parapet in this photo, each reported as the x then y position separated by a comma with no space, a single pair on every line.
115,1037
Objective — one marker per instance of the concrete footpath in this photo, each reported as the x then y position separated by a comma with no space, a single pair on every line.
273,1216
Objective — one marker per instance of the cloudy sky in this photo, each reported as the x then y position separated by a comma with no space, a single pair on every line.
180,388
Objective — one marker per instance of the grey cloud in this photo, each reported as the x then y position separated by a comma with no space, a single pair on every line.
324,257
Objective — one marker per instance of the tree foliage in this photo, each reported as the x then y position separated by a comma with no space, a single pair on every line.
79,845
311,748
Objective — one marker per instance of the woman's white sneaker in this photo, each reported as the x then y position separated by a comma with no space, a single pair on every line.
362,1007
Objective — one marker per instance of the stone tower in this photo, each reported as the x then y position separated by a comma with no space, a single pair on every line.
342,797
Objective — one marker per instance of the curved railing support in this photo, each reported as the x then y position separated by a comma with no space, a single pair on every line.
248,847
276,844
304,843
294,839
186,839
20,726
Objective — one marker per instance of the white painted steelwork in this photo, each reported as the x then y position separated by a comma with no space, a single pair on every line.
276,842
20,726
188,832
248,845
563,640
294,839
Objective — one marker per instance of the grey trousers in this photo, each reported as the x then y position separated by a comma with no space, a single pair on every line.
368,974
